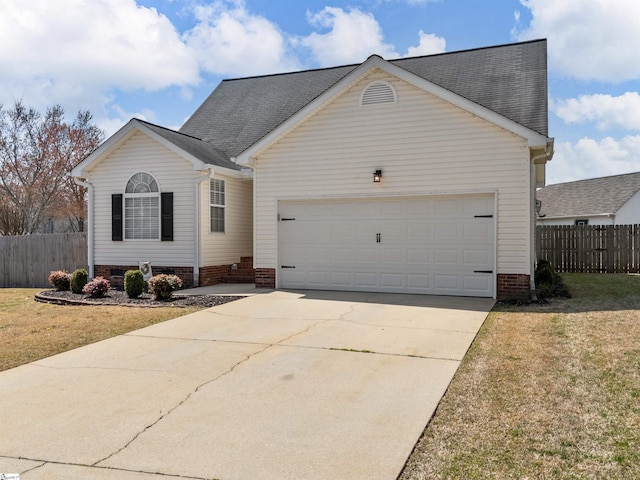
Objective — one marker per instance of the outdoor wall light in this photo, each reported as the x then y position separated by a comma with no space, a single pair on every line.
377,176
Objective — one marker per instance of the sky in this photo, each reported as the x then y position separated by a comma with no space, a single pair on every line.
158,60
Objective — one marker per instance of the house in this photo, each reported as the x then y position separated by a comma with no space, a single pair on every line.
613,200
414,175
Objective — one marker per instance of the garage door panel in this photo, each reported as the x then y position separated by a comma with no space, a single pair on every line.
446,282
392,280
366,279
476,257
477,283
420,256
448,231
447,208
341,279
393,256
415,245
342,255
447,257
367,256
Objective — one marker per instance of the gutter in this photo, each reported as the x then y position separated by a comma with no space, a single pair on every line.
89,187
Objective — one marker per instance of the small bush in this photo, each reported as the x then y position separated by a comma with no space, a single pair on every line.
133,283
162,286
548,282
96,288
60,280
79,279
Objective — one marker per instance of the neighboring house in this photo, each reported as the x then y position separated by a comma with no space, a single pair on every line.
414,175
613,200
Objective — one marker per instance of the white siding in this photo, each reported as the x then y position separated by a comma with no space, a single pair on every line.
601,220
423,145
139,153
237,240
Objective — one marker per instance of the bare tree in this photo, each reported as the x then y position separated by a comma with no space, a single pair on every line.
36,153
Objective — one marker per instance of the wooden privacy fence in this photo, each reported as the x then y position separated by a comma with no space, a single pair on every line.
590,248
27,260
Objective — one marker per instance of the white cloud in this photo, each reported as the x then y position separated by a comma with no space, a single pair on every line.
229,40
352,37
605,111
588,39
78,54
589,158
429,45
355,35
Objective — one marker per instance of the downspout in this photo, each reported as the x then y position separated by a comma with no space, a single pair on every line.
89,188
196,236
547,154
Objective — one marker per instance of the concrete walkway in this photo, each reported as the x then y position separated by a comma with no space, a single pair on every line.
283,385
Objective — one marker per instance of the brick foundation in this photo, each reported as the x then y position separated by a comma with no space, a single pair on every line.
513,286
213,275
265,278
115,273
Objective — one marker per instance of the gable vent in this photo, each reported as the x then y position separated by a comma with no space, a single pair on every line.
378,92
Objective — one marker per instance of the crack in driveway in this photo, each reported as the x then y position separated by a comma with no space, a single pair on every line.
199,387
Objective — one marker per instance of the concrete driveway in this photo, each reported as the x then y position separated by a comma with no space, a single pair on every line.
286,385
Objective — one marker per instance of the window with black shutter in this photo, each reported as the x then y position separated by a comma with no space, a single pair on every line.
116,217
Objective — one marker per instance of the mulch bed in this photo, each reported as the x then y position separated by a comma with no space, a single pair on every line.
118,297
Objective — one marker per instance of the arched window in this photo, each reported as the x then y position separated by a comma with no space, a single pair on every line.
142,208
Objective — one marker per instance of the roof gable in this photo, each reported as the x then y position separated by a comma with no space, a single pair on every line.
510,80
582,198
374,62
199,153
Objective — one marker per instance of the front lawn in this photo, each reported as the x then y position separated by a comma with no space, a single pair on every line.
30,330
546,391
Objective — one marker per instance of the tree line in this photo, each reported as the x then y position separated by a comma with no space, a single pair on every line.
37,151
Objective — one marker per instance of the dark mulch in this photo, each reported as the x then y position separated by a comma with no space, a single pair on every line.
118,297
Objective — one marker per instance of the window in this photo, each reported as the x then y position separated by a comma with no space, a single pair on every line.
584,221
142,208
217,203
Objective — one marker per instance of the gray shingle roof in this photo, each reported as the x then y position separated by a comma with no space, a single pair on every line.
200,149
595,196
508,79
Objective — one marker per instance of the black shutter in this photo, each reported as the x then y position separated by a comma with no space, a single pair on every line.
116,217
166,216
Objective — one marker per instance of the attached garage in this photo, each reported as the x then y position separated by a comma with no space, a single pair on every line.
441,245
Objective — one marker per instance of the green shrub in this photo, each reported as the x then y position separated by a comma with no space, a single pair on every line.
548,282
545,275
162,286
60,280
133,283
96,288
79,279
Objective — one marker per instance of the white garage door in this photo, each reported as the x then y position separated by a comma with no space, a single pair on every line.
432,245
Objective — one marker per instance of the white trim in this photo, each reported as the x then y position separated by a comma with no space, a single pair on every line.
533,138
125,196
127,131
223,206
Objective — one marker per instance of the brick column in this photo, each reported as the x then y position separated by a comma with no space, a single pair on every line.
265,278
513,286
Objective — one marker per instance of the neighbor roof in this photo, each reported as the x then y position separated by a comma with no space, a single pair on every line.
510,80
596,196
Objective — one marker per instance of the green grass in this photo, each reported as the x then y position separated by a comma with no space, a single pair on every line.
546,391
